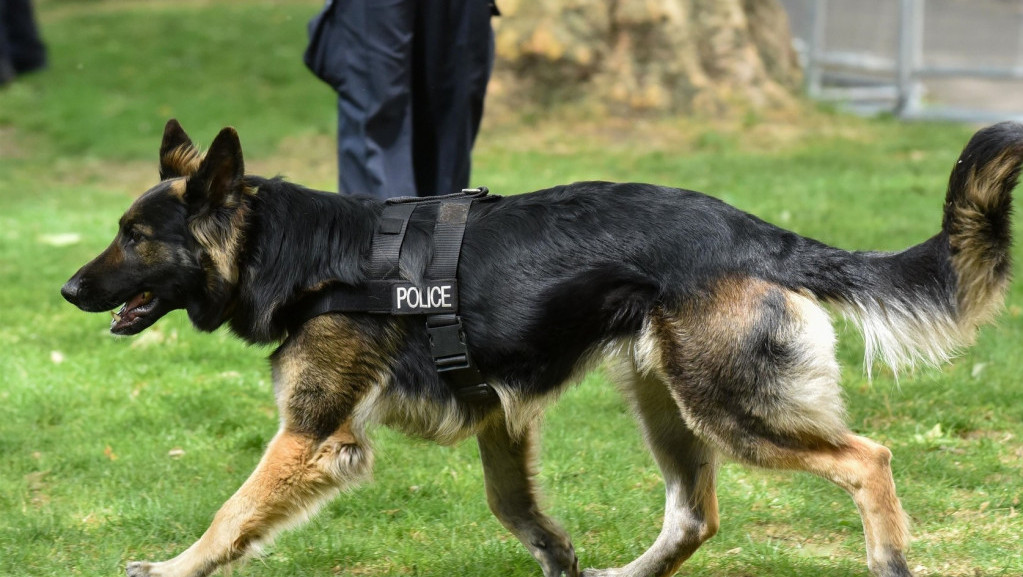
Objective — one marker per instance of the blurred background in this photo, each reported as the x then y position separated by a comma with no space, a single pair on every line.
839,120
940,59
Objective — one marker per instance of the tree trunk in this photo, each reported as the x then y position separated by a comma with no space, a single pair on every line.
627,56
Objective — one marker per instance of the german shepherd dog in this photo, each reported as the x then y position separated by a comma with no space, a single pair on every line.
711,321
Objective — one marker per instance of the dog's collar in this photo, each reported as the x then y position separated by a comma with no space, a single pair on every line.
436,297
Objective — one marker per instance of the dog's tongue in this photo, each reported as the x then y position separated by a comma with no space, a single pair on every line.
139,300
127,314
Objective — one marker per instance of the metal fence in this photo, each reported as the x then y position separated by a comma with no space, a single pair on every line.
948,59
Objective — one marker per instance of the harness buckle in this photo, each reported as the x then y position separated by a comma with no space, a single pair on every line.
451,358
447,342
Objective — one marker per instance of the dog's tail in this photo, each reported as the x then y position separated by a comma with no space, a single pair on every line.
925,303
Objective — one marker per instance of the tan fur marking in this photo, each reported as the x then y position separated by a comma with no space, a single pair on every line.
177,188
732,300
297,473
704,348
863,468
711,519
183,160
113,257
710,325
982,187
153,253
222,241
332,353
982,287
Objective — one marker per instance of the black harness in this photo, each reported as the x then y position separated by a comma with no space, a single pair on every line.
387,292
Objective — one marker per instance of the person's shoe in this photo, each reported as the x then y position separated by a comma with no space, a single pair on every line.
26,65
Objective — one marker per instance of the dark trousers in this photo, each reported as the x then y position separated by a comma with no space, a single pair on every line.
410,94
20,45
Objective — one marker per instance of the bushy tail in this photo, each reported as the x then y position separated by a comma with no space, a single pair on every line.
925,303
977,220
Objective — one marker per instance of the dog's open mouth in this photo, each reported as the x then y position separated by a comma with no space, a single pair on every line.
135,315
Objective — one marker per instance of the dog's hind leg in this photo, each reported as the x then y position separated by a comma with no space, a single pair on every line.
752,368
689,467
861,467
511,494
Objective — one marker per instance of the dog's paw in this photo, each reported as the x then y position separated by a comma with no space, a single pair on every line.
556,556
894,565
569,570
600,572
170,568
895,568
138,569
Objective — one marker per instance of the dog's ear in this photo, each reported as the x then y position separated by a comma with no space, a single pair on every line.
218,180
178,156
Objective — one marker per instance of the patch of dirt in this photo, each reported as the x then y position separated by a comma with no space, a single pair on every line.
310,160
18,144
575,131
8,148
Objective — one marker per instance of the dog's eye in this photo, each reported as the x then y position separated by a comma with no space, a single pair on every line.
132,236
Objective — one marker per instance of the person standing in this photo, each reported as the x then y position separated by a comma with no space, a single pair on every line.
411,76
21,48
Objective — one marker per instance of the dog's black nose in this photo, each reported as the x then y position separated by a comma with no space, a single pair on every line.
71,289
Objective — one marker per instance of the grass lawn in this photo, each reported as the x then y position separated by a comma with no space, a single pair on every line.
118,449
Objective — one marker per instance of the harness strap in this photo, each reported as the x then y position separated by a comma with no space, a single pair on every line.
448,341
388,239
451,357
447,238
374,298
436,299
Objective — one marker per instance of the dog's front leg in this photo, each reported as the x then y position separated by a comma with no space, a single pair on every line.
322,375
297,473
508,472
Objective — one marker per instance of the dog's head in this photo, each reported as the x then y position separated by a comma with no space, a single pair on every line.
177,244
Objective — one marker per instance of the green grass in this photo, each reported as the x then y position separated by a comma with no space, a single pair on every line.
117,449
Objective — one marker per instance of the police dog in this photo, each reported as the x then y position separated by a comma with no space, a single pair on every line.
712,321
